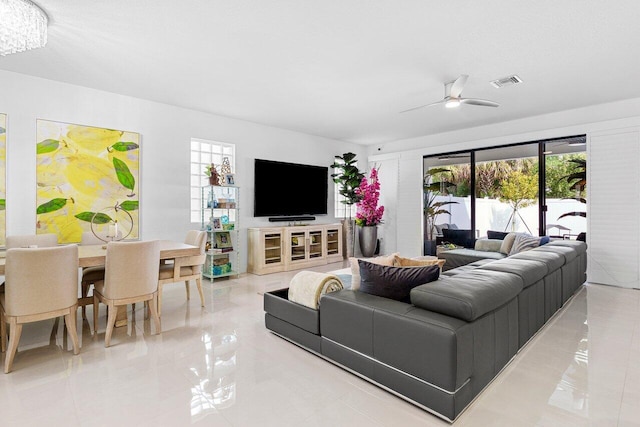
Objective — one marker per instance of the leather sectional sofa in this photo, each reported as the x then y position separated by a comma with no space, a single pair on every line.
441,350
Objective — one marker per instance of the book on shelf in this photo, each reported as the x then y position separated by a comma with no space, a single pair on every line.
221,250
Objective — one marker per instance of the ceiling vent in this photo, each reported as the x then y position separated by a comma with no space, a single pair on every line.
506,81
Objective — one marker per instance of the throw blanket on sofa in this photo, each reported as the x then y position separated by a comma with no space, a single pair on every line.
307,287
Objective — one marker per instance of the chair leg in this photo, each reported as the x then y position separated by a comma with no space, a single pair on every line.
111,323
3,331
96,307
199,284
84,292
159,300
14,337
154,312
186,286
70,320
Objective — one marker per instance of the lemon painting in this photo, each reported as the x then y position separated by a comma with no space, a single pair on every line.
85,173
3,184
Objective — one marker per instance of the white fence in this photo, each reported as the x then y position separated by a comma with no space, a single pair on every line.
491,214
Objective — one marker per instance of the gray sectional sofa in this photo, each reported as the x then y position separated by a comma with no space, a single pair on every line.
441,350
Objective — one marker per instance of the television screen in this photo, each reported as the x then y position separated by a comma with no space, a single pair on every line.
289,189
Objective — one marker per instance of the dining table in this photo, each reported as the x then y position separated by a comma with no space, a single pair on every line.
96,255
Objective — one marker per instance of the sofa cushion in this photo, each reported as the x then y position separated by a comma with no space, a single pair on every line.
394,282
530,271
459,257
552,260
569,253
580,247
468,296
524,242
507,243
489,245
499,235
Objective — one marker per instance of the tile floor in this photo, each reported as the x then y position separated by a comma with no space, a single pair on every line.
219,366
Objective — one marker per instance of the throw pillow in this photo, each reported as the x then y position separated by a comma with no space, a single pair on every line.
524,242
500,235
488,245
507,243
440,227
394,282
418,262
544,240
355,268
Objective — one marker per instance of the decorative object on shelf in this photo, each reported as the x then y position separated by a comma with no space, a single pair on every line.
228,227
369,214
225,168
119,221
224,219
212,173
216,224
229,179
348,177
80,170
223,240
23,26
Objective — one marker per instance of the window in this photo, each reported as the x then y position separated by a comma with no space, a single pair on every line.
204,153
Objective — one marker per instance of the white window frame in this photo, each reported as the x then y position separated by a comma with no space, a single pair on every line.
202,153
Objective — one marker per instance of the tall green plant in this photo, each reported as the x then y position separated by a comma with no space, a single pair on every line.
348,177
432,189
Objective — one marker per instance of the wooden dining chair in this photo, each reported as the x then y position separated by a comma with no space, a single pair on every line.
185,269
131,275
40,283
90,275
24,241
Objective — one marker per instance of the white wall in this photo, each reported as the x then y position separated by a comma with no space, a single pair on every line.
589,120
165,132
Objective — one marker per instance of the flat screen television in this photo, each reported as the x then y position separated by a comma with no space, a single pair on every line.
289,189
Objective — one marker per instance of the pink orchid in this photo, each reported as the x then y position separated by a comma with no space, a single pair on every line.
369,213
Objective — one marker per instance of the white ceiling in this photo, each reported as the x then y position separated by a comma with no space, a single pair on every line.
345,68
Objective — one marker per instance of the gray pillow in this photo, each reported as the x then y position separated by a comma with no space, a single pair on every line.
524,242
440,227
394,282
488,245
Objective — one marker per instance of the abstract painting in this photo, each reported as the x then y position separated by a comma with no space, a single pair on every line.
3,180
86,175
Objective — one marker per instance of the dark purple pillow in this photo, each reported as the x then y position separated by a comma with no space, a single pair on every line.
394,282
498,235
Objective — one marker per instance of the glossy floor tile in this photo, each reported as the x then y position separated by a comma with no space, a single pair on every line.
219,366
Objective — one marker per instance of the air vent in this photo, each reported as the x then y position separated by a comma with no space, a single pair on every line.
506,81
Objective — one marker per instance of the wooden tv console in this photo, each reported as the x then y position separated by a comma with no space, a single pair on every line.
274,249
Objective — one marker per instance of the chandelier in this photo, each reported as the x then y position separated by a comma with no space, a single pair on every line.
23,26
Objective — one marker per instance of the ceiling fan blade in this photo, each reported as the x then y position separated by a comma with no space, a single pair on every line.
424,106
480,102
458,85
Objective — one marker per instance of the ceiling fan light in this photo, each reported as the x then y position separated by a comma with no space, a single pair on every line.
452,103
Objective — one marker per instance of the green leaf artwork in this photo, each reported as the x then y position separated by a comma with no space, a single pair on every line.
123,146
100,218
47,146
51,206
3,204
124,175
129,205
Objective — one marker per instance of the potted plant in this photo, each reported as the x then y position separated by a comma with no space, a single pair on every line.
432,188
348,177
369,214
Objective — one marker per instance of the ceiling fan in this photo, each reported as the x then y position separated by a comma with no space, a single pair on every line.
453,96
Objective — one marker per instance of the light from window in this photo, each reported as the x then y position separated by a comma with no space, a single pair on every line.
203,153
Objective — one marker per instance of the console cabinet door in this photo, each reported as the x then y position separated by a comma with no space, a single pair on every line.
305,247
266,250
333,244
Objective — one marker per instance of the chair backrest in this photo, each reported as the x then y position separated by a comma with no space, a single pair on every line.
131,269
88,238
39,280
39,240
196,238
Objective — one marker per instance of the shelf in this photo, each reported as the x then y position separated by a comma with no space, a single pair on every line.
217,276
272,248
332,241
220,253
277,259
